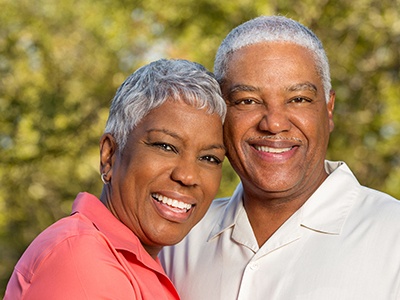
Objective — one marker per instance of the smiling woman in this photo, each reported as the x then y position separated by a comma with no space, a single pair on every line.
165,177
161,162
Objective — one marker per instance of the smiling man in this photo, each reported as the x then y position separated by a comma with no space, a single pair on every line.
297,226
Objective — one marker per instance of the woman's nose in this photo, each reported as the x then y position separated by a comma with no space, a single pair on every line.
186,173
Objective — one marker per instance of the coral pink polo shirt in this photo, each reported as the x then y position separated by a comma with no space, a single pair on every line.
88,255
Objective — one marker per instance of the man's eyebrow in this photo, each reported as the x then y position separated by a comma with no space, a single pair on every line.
304,86
242,88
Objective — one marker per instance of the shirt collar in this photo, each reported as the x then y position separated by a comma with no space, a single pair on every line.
325,211
233,211
121,237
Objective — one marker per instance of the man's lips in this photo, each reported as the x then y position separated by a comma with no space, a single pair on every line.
273,144
272,150
172,202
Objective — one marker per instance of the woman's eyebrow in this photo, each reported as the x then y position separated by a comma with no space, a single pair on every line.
165,131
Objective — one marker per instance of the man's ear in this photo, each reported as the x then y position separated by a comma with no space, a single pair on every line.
330,107
108,150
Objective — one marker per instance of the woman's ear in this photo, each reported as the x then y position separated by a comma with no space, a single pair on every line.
108,149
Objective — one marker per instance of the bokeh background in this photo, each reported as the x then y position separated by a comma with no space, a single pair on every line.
62,60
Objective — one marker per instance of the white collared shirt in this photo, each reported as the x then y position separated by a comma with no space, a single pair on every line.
343,243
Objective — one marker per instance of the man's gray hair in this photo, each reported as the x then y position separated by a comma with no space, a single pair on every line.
273,29
153,84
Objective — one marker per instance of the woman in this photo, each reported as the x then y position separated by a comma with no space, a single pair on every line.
160,162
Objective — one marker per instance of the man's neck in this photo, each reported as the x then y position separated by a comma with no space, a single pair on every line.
266,216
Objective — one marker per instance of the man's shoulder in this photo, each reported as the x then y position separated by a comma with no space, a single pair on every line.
367,199
380,204
378,195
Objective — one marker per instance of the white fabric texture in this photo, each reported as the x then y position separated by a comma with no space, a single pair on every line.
343,243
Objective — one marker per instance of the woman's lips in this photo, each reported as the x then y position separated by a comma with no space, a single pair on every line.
172,202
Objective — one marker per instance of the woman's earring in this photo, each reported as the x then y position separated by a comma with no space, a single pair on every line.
103,178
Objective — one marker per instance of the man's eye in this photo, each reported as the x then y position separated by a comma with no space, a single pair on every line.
299,100
212,159
245,102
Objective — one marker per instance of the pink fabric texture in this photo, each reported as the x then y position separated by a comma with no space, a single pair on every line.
88,255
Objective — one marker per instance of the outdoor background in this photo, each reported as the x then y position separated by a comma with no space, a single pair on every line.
62,60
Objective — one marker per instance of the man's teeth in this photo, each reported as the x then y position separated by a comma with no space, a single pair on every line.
172,202
272,150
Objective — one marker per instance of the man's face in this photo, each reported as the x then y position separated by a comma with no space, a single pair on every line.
278,122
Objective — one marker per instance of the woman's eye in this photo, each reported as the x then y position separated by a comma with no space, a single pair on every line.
211,159
165,147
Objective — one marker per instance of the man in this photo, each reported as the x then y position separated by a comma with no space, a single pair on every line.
297,226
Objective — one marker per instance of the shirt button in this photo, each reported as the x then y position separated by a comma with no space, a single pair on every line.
254,266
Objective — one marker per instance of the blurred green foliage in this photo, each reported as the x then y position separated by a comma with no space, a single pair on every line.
62,60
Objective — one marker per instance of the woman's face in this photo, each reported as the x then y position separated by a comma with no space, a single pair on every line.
165,178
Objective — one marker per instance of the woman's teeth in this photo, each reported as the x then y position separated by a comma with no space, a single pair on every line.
172,202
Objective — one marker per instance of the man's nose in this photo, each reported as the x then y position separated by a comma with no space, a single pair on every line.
274,120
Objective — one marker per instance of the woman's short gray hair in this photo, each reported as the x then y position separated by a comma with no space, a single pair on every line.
153,84
273,29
